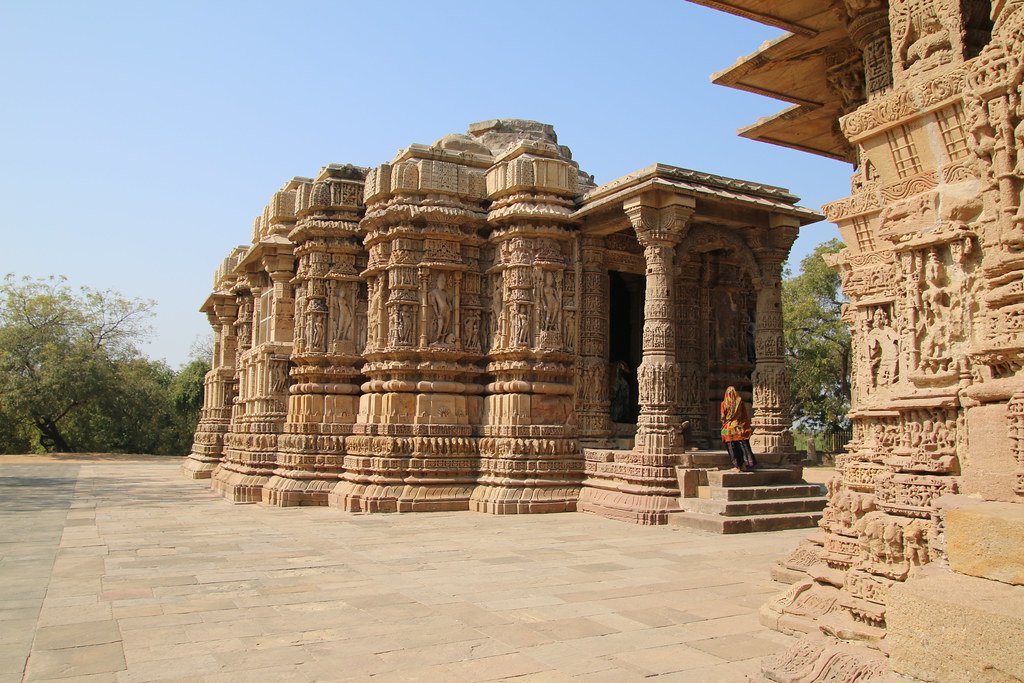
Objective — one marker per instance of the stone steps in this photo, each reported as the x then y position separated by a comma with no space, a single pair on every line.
768,499
758,492
761,477
720,524
761,506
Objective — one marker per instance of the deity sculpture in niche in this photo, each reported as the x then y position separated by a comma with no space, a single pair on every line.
316,331
933,333
494,315
883,350
442,309
345,315
521,324
552,301
471,335
401,325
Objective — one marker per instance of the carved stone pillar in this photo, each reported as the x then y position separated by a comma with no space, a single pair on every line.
263,368
330,317
592,400
641,485
218,390
868,26
691,343
529,455
412,446
771,420
660,425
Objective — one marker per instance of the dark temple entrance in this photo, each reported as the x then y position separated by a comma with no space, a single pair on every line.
625,350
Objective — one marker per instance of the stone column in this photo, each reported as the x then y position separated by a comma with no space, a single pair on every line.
323,397
660,425
771,419
691,346
218,390
592,400
412,446
529,453
868,26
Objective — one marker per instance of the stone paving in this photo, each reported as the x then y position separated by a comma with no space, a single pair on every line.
127,572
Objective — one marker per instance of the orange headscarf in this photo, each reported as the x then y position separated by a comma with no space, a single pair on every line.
735,419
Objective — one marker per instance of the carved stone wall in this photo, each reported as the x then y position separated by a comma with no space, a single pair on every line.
933,269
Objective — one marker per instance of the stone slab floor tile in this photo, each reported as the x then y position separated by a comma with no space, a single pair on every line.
73,662
736,647
656,661
250,591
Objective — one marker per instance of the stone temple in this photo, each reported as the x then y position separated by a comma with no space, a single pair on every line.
475,325
918,566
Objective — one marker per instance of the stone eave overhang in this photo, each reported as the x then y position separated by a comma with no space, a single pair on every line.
212,300
700,186
272,244
791,68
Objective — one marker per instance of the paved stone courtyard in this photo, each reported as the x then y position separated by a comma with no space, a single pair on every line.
114,571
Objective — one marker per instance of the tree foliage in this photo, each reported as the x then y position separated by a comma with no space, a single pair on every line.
72,377
817,343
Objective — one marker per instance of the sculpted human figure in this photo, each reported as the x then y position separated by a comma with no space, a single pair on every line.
316,332
401,319
472,338
883,351
278,376
521,325
496,308
552,306
345,317
440,300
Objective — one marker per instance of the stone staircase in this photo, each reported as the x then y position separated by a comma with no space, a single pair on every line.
768,499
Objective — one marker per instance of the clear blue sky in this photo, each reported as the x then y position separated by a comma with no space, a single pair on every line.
138,140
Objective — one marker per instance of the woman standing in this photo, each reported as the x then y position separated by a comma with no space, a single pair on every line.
736,431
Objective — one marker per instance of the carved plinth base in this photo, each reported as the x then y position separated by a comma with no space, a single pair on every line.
506,500
308,468
240,477
238,487
819,658
297,488
419,473
355,497
630,486
793,567
627,507
197,466
527,469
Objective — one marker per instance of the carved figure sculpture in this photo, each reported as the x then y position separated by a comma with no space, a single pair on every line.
552,303
441,307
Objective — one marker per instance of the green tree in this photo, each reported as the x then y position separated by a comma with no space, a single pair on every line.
69,364
817,343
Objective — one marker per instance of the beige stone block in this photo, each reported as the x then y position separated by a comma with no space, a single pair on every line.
75,662
77,635
985,539
987,471
949,627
